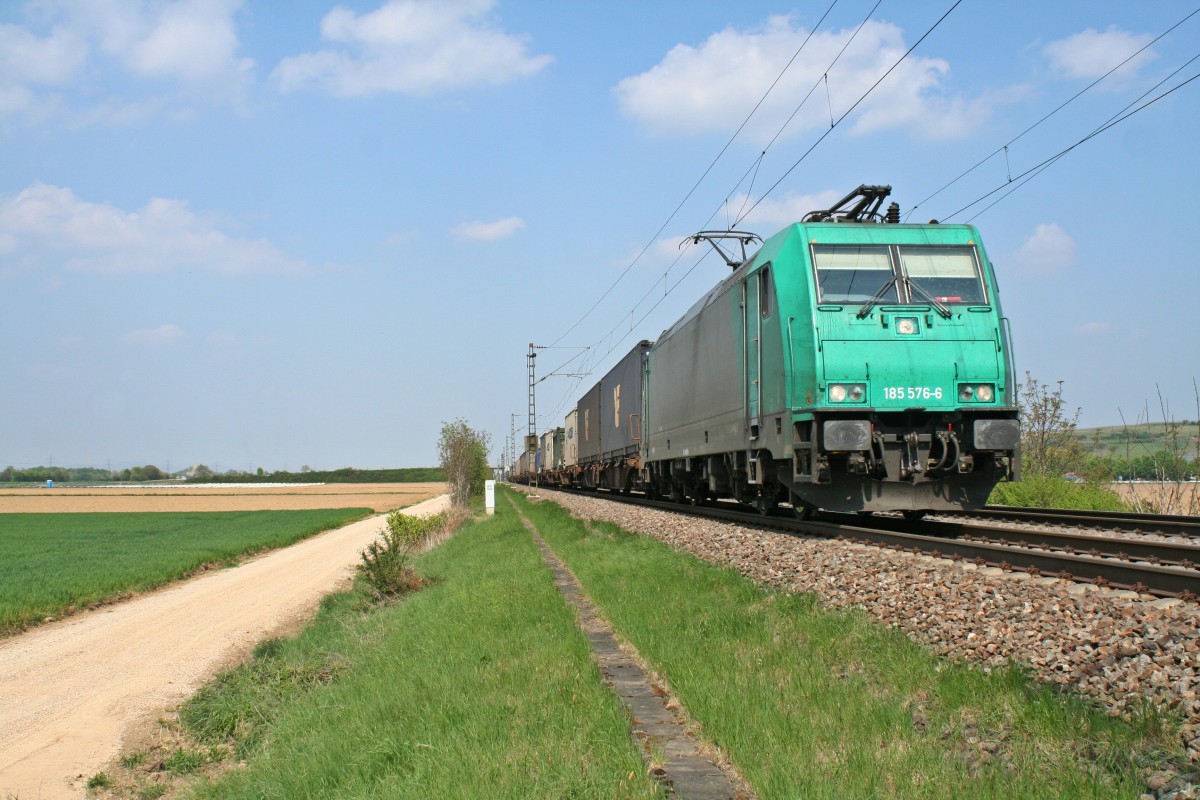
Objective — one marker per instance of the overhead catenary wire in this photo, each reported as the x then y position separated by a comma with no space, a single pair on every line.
1004,148
799,106
754,167
744,214
1112,121
849,111
689,194
1040,167
700,180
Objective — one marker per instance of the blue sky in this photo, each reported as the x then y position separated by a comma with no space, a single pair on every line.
274,234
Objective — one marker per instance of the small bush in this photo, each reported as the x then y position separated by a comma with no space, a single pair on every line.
385,562
1053,492
99,781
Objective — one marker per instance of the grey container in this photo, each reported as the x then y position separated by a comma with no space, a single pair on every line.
588,430
621,405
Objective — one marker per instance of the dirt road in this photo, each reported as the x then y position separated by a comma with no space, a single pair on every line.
70,691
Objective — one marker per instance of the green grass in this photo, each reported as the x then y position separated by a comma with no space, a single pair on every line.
827,704
52,562
478,686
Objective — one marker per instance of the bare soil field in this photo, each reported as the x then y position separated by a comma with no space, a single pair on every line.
381,497
72,692
1171,498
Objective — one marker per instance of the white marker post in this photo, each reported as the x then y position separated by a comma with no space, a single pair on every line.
489,496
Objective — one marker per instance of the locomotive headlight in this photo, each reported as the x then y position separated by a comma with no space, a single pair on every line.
907,326
847,392
976,392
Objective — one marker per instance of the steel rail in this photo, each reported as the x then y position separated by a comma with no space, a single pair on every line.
1115,520
1128,549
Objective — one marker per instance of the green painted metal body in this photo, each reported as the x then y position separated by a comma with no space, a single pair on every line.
829,342
805,376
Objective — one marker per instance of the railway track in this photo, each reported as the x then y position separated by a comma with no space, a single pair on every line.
1167,524
1158,568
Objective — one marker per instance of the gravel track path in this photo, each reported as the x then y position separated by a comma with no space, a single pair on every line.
1114,646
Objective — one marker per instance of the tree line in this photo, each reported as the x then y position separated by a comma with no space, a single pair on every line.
1051,444
203,474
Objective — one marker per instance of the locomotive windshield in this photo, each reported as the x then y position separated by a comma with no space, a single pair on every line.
854,273
868,273
948,274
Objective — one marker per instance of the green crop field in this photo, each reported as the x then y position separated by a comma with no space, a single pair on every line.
52,562
1134,440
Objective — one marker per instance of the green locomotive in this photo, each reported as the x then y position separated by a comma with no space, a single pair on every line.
853,364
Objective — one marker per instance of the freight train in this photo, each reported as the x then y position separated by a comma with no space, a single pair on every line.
854,363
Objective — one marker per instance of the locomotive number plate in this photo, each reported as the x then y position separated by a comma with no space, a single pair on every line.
912,393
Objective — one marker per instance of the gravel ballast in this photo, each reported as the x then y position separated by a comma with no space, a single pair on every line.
1120,648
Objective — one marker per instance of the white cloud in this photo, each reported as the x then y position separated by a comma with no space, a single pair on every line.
772,214
26,57
488,231
1050,249
1089,54
1094,329
714,86
164,334
415,47
46,223
193,42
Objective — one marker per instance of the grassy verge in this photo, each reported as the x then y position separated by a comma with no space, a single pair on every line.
478,685
54,563
826,704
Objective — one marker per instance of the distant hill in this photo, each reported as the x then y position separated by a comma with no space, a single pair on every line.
1138,440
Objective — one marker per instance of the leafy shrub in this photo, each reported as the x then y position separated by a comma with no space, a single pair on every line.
385,562
1048,491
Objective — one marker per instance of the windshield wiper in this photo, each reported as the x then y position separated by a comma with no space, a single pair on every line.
867,306
941,309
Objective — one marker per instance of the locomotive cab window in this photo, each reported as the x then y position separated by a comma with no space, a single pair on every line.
947,274
854,273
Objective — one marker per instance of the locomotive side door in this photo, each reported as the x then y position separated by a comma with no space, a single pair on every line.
752,350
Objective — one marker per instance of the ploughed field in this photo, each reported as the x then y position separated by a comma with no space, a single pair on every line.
380,497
